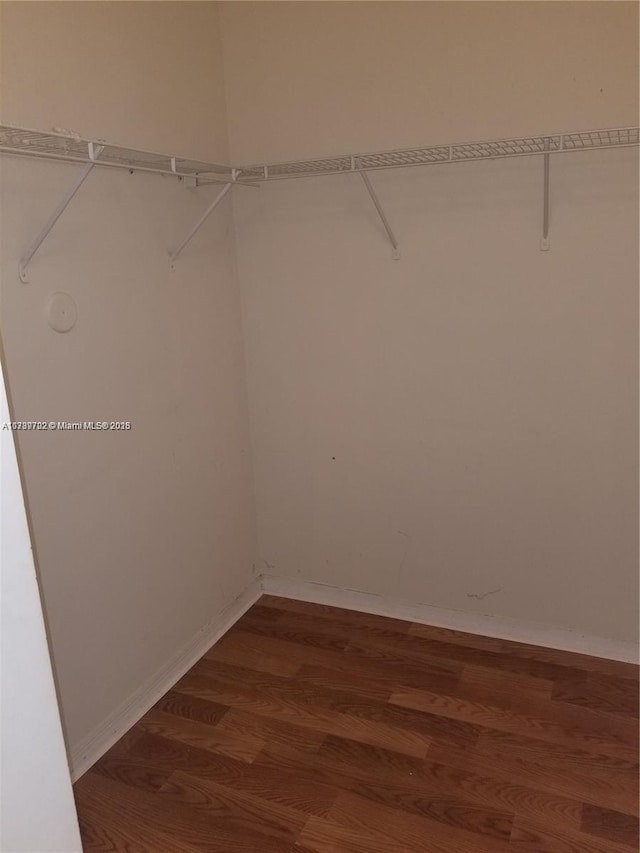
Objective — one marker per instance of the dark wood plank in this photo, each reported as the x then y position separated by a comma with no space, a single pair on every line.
609,732
386,778
600,692
191,708
163,756
387,775
134,770
278,737
541,725
498,681
614,826
259,614
151,815
408,830
330,612
462,638
276,695
304,635
102,828
341,623
326,678
169,755
301,694
241,812
536,837
193,733
581,776
573,660
412,649
325,836
290,710
382,673
234,649
421,799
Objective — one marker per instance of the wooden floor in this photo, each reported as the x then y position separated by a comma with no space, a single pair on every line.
310,728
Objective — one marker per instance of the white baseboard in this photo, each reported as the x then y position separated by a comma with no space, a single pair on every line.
84,754
457,620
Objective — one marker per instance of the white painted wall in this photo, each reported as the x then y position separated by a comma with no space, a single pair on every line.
141,537
37,813
461,423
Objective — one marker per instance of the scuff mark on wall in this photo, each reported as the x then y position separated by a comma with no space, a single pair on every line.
481,595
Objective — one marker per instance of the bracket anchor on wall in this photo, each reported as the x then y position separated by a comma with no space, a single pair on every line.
395,254
94,153
173,256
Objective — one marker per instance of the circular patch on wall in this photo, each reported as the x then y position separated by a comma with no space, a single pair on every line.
62,312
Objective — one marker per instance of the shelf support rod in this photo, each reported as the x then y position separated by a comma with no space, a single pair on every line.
94,153
374,198
173,256
544,243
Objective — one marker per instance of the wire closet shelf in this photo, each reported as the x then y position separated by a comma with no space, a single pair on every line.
70,147
75,149
558,143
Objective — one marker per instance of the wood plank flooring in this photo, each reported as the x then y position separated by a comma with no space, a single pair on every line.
311,728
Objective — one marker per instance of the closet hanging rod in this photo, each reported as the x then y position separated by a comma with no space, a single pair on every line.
461,152
71,148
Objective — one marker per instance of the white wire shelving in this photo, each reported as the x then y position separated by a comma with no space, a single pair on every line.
558,143
69,147
72,148
75,149
460,152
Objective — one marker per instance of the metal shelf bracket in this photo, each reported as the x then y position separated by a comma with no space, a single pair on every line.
395,254
94,153
173,256
544,242
69,147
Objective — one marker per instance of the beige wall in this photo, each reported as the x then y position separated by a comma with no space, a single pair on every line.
141,537
314,78
462,422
